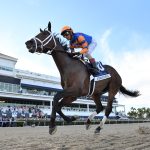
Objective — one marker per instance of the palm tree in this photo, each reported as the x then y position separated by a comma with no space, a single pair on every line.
139,113
133,113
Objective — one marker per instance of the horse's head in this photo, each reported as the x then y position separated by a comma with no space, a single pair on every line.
43,42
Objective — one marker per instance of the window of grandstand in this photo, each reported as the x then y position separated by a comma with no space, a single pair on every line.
8,87
6,68
35,91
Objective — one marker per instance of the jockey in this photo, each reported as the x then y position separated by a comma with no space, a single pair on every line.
80,40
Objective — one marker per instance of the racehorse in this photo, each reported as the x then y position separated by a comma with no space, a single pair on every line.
75,79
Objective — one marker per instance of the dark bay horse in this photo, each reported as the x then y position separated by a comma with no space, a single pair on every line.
75,79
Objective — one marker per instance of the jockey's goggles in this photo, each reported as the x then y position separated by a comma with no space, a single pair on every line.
66,34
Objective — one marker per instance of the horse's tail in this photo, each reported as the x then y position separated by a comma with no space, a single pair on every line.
124,91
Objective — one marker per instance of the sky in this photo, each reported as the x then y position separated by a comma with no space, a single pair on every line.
120,27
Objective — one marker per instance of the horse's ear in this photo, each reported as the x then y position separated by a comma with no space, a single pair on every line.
49,26
41,30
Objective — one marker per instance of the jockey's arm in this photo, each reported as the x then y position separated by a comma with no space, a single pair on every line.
84,44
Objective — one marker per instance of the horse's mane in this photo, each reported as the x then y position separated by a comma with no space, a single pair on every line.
62,43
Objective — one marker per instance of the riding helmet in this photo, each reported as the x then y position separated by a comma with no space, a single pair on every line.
66,29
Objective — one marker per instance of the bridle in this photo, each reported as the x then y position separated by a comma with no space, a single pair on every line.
45,42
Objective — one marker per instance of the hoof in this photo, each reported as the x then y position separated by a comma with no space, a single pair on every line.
97,130
52,130
88,126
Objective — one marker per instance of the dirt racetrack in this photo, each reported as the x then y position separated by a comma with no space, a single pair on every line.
112,137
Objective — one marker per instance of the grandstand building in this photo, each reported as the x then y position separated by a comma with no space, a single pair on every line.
25,88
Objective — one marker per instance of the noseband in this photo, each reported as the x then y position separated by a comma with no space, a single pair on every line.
45,42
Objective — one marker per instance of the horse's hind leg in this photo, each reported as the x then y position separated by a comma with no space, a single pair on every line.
111,94
99,108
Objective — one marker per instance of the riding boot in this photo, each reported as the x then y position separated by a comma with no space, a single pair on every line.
94,66
93,63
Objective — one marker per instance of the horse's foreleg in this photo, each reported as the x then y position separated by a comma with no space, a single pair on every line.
52,126
58,97
66,101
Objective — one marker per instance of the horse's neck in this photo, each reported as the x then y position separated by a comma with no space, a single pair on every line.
62,60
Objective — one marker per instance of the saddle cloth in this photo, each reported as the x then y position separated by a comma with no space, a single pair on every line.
101,75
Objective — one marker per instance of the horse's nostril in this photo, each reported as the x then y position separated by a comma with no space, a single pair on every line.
27,43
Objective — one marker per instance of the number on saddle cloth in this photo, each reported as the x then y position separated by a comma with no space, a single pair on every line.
100,66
